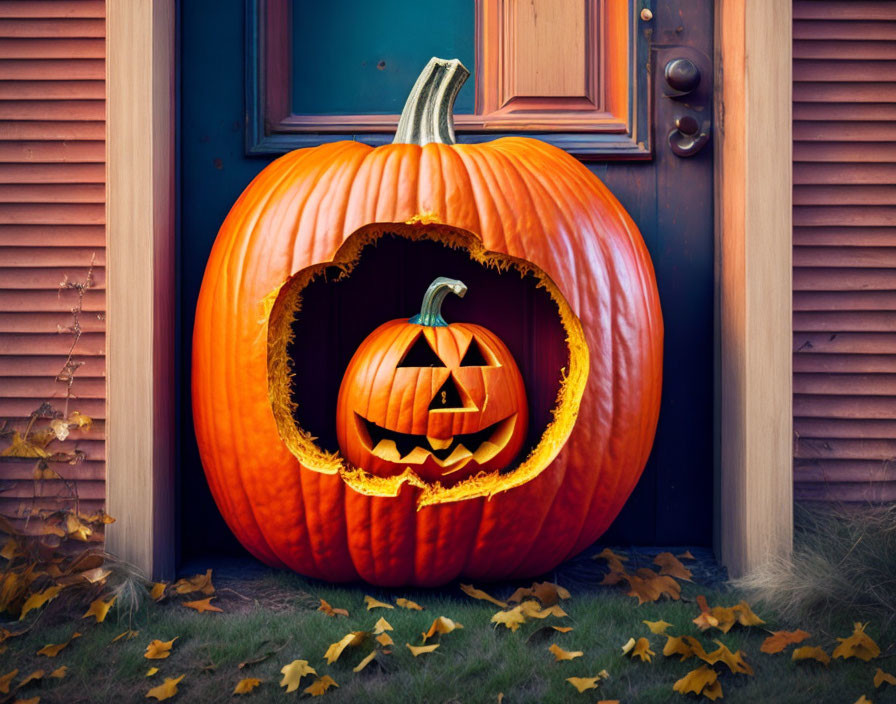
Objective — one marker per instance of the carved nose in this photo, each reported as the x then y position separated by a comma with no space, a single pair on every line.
448,396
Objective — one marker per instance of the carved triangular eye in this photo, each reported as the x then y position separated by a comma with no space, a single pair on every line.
421,355
474,356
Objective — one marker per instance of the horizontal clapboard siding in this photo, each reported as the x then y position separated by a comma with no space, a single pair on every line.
844,250
52,232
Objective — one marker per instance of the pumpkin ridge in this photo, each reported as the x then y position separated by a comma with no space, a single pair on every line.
563,413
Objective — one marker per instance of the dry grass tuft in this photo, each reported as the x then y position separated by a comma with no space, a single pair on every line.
843,562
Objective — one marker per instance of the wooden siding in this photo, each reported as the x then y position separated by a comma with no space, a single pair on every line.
52,192
844,250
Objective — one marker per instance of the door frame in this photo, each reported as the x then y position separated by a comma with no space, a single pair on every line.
753,507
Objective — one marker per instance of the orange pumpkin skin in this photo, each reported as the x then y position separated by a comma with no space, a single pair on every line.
405,400
519,196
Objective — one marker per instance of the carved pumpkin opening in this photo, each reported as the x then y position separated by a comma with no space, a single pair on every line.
321,315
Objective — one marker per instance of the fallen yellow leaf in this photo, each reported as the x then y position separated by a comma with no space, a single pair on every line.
779,640
126,635
686,555
99,608
203,605
561,654
320,685
374,604
811,652
166,690
59,672
646,585
420,649
880,677
157,592
159,650
353,639
583,684
293,674
38,599
562,629
547,593
6,680
470,590
638,648
51,651
381,626
246,685
703,681
734,661
613,560
151,671
32,677
442,624
330,611
196,583
30,700
365,662
532,609
408,604
511,618
863,700
20,447
670,565
858,645
384,639
658,627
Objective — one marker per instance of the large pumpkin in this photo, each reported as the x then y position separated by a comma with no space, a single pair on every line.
510,204
439,401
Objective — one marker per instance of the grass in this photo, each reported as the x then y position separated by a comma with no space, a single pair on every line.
270,610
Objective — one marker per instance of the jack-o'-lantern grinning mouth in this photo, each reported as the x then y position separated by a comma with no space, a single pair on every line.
452,454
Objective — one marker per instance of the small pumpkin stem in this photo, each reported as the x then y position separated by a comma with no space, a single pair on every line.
428,114
431,310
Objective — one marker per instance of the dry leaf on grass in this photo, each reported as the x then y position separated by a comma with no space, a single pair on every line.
471,591
532,609
638,648
246,685
734,661
512,618
724,617
384,639
158,649
547,593
779,640
51,651
293,674
30,700
59,672
365,662
417,650
166,690
381,626
353,639
38,599
614,561
99,608
858,645
203,605
670,565
704,680
6,680
330,611
686,646
863,700
157,591
880,677
320,685
442,624
658,627
376,604
561,654
31,677
648,586
811,652
151,671
196,583
127,635
583,684
408,604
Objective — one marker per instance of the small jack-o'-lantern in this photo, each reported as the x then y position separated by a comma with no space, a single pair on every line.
442,401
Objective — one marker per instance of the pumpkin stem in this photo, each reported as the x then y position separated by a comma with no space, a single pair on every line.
428,114
431,310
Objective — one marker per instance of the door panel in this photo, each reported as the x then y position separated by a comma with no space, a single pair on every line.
669,197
